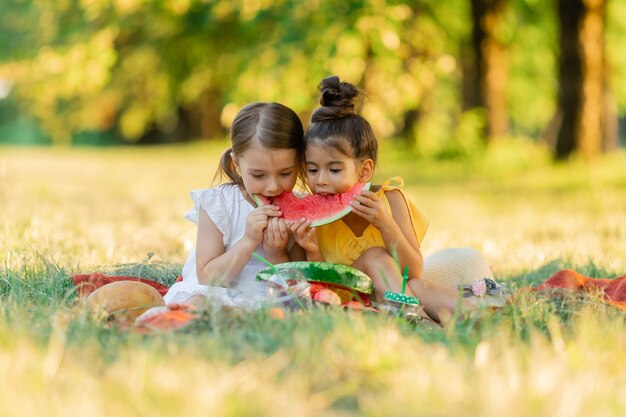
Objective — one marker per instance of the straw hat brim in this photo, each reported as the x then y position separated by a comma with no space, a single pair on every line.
450,268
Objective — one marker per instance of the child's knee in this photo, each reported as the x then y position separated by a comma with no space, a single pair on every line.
373,259
376,253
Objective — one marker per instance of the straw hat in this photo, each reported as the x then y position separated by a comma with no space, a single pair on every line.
461,267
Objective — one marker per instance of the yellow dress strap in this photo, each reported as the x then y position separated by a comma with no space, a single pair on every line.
419,219
392,184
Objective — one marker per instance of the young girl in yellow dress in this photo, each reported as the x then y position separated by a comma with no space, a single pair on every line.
384,227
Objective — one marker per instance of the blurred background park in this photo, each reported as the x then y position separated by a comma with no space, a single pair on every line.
445,78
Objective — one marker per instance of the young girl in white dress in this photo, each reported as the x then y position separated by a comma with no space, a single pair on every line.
265,158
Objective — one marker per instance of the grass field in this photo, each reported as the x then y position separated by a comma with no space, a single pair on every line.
64,211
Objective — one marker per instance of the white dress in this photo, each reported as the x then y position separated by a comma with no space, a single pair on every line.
227,207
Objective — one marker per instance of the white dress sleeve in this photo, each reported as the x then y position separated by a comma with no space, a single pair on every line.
227,208
212,201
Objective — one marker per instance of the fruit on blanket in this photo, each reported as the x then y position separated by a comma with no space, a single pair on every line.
166,318
344,295
347,282
315,287
320,209
354,305
277,313
123,301
327,296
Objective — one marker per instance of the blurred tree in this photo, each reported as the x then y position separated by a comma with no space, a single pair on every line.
440,74
532,52
182,68
136,67
583,80
486,70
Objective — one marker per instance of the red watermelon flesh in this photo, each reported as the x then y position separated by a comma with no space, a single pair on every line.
320,209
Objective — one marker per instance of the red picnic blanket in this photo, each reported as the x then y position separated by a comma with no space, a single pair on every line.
613,291
88,283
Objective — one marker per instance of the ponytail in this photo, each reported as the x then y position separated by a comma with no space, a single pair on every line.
227,169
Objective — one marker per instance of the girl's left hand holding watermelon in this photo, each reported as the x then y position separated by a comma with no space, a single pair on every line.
368,205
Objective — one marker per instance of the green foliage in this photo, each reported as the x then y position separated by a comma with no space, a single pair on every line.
533,52
39,281
615,32
134,67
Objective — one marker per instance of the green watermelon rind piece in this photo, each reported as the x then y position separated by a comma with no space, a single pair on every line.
321,222
325,272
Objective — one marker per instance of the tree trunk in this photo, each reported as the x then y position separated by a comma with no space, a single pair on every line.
204,119
471,92
586,125
485,82
211,112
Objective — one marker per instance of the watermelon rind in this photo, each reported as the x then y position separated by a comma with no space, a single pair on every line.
339,214
259,200
327,272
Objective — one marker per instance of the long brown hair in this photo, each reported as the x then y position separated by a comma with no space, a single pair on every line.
273,125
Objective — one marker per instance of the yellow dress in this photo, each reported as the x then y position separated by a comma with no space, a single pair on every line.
338,243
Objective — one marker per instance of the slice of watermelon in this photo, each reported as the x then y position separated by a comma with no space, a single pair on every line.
318,208
339,275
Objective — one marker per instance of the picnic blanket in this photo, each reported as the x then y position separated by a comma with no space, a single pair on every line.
175,316
88,283
613,291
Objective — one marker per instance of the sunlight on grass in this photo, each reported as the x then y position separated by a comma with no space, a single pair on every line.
356,365
121,211
88,207
523,213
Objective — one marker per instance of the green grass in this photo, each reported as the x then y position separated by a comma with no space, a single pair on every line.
65,211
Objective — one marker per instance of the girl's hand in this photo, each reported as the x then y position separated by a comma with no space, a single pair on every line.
305,236
368,205
275,237
257,222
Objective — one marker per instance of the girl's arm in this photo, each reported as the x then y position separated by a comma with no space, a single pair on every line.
407,246
214,265
396,229
217,266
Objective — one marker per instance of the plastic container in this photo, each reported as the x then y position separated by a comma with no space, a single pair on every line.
402,305
290,290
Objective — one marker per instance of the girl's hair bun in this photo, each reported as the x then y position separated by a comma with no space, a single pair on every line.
337,98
